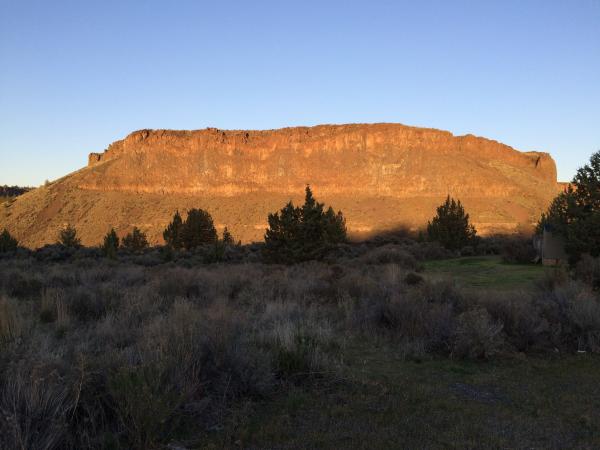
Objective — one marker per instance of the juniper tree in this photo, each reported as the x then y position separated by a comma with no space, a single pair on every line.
173,233
450,226
68,237
282,238
335,225
575,213
135,241
303,233
111,244
198,229
228,237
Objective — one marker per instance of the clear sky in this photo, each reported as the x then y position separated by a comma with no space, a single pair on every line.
77,75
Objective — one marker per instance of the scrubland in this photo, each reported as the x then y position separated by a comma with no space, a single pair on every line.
385,344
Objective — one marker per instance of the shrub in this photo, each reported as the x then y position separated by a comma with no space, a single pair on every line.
145,401
303,233
68,237
34,414
413,279
468,250
391,254
477,335
524,325
11,324
135,241
86,306
22,285
300,348
588,271
429,251
518,251
584,314
451,226
7,242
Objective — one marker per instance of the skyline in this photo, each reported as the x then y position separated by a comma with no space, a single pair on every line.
77,77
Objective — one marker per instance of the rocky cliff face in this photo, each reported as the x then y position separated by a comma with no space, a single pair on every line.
382,159
381,175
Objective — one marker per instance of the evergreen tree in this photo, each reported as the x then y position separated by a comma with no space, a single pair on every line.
198,229
575,213
282,238
68,237
111,244
335,225
557,215
173,233
7,242
451,227
303,233
135,241
228,237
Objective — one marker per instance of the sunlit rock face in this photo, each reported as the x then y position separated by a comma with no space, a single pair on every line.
382,176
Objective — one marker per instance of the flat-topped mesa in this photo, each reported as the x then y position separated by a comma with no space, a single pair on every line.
382,176
378,159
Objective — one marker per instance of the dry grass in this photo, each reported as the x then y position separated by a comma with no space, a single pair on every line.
109,354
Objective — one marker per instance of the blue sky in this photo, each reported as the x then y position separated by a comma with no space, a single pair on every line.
77,75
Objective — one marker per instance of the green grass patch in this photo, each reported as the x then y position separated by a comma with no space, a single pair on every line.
488,272
383,401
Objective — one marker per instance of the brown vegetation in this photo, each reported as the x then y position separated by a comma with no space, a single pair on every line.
137,351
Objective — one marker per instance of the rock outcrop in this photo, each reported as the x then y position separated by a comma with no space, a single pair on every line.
382,176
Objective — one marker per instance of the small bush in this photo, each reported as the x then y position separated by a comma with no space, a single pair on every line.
11,325
413,279
34,413
525,326
86,306
468,250
22,285
7,242
477,335
389,254
429,251
584,314
518,251
145,401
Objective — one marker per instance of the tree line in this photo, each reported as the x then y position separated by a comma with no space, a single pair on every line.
294,234
308,232
8,192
